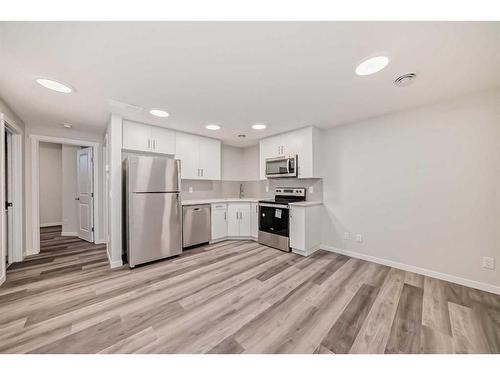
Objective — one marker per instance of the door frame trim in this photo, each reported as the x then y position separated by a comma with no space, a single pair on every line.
17,133
33,222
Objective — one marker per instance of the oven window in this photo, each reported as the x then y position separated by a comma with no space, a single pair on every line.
273,220
277,166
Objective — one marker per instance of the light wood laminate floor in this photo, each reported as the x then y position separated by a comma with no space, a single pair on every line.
235,297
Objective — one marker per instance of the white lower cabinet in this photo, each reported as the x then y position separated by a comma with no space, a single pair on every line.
255,219
305,229
239,220
219,221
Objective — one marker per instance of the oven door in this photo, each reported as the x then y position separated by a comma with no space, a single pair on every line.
273,218
274,225
281,167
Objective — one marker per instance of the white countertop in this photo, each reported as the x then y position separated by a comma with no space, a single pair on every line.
191,202
306,203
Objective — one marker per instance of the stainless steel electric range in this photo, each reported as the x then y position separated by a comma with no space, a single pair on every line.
274,215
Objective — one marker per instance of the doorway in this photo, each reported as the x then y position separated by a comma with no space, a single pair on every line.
79,197
65,186
11,194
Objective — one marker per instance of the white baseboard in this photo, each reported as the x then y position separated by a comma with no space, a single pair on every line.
305,252
43,225
73,234
114,263
99,242
422,271
233,239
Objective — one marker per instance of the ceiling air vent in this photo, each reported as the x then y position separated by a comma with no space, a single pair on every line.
405,79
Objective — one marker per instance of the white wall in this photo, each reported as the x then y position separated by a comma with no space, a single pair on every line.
50,184
114,193
422,187
69,191
240,164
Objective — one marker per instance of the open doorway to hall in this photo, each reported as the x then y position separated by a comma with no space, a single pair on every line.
66,198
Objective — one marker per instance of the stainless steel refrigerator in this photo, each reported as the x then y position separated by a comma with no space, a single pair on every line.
153,211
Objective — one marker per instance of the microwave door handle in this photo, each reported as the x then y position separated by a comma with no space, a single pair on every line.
288,165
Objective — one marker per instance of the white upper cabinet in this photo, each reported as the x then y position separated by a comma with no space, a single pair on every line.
200,157
186,146
210,158
163,140
136,136
305,143
148,138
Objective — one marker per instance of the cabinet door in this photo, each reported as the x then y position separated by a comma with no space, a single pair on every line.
245,220
187,151
297,227
136,136
163,140
219,221
210,158
233,220
255,219
268,148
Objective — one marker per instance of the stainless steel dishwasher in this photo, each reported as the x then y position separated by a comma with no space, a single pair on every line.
195,225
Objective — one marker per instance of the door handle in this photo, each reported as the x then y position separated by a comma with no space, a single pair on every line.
154,144
77,199
201,172
149,143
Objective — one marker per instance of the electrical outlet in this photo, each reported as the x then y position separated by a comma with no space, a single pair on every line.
190,189
359,238
489,263
311,190
347,236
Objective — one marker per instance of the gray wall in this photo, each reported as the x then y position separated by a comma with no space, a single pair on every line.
421,186
50,184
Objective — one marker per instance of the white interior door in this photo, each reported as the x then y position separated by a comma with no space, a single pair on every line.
3,242
85,196
8,198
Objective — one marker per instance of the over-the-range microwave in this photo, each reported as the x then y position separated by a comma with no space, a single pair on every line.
283,166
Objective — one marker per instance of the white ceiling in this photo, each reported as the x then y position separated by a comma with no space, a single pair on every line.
284,74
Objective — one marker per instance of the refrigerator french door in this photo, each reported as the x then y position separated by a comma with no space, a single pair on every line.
153,208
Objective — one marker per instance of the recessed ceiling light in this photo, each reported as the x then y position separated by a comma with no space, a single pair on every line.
67,125
372,65
259,126
158,112
212,127
54,85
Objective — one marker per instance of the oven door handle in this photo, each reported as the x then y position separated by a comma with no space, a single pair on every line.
283,206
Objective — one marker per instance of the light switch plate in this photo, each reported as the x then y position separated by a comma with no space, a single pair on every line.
190,189
267,188
311,189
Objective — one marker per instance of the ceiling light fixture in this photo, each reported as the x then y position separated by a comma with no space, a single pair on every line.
54,85
259,126
372,65
67,125
158,112
212,127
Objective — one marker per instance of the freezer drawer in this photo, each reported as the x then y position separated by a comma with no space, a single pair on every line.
154,227
195,225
